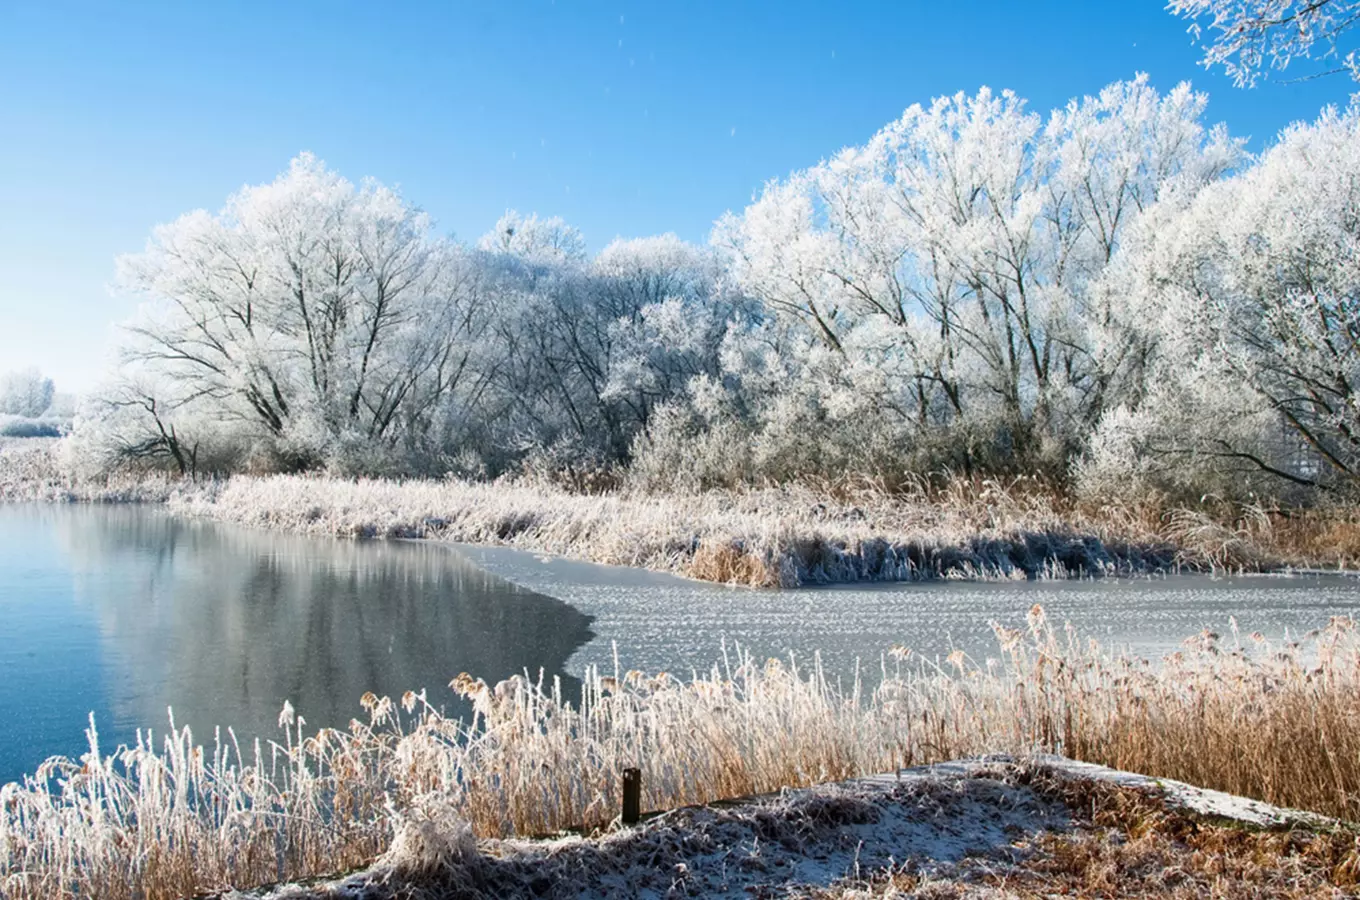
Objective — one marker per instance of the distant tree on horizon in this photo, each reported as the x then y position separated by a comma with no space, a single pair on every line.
25,393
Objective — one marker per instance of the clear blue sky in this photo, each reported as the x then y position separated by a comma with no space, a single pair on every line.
624,118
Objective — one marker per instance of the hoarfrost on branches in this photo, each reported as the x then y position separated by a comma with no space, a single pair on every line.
25,393
948,264
1253,37
1113,295
315,322
1250,293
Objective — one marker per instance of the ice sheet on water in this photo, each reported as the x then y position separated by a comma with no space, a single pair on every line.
664,622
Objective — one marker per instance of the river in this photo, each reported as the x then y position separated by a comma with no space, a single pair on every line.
127,612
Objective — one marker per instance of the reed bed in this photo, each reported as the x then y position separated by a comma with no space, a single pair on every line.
1271,721
31,471
785,536
774,537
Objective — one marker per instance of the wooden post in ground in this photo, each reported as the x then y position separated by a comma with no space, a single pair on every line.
632,796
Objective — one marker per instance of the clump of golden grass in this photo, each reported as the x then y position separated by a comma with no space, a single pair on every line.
1323,536
730,563
1246,716
1236,546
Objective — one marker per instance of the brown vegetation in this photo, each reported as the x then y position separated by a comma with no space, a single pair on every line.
1240,715
812,533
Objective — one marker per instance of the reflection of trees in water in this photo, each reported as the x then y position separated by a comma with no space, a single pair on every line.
225,623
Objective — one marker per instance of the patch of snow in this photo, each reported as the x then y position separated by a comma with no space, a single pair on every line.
1202,801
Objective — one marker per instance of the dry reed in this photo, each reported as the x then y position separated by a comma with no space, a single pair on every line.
774,537
814,533
31,472
1249,717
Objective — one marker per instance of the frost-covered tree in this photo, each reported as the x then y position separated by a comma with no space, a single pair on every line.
546,240
316,313
592,346
25,393
947,265
976,288
1253,36
316,322
669,310
1250,292
140,420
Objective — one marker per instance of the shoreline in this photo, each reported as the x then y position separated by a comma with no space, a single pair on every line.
434,801
770,538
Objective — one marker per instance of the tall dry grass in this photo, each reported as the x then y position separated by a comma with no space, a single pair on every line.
811,533
1240,714
770,537
31,472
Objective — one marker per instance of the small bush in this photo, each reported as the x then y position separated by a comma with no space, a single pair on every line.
24,427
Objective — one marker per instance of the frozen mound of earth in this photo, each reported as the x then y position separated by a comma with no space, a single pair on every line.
937,822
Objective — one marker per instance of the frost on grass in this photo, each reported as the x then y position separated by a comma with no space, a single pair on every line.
967,829
1236,714
32,470
813,837
763,538
796,534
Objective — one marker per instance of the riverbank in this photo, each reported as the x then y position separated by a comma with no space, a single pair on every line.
778,537
31,472
784,536
774,537
1236,713
972,828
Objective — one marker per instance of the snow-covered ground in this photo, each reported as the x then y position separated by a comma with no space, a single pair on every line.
939,822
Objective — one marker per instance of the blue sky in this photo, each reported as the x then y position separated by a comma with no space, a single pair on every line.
624,118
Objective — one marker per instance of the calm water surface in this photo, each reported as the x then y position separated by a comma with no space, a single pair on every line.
125,612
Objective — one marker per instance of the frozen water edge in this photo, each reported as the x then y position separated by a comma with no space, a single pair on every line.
663,622
928,818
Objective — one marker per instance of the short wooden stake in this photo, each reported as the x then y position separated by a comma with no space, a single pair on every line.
632,796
